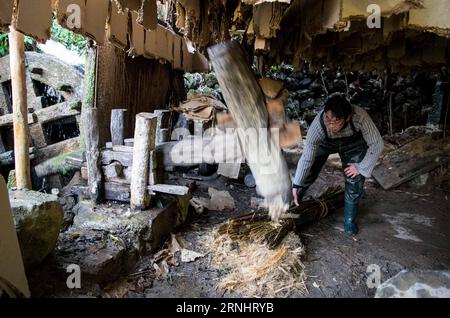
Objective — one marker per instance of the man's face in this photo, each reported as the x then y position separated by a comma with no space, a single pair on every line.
334,124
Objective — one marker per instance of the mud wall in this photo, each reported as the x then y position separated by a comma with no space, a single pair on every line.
137,84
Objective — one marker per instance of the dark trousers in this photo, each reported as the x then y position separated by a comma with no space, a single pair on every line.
351,150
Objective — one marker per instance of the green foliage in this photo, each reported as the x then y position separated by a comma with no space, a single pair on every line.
4,47
70,40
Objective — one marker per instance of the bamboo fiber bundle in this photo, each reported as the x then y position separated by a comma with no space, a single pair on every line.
262,258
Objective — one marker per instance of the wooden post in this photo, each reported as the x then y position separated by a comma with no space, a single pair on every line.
163,125
118,126
90,129
144,143
93,160
247,105
20,111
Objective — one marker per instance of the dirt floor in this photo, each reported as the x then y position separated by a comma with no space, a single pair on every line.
405,228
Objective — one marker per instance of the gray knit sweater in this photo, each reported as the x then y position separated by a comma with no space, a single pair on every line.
363,123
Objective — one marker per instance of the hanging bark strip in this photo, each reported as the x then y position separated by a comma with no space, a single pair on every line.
246,103
20,111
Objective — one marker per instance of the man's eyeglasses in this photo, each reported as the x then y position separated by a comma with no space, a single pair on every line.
334,121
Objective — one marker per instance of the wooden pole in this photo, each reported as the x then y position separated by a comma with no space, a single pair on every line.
144,143
118,126
247,105
20,111
91,137
90,129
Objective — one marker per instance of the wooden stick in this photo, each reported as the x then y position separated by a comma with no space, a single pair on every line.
118,126
20,111
144,136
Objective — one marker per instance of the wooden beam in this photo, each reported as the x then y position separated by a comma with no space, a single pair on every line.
247,105
8,120
65,146
20,112
144,136
7,158
58,111
125,158
169,189
123,149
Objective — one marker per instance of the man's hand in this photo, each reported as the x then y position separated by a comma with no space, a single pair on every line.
294,195
351,171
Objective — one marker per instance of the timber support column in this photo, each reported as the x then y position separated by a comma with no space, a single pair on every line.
118,126
90,128
20,109
144,144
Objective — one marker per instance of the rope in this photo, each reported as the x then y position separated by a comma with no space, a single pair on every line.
324,207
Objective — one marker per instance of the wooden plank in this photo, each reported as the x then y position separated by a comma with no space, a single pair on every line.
76,159
11,266
123,149
7,120
7,158
58,111
125,158
414,159
169,189
57,149
129,142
